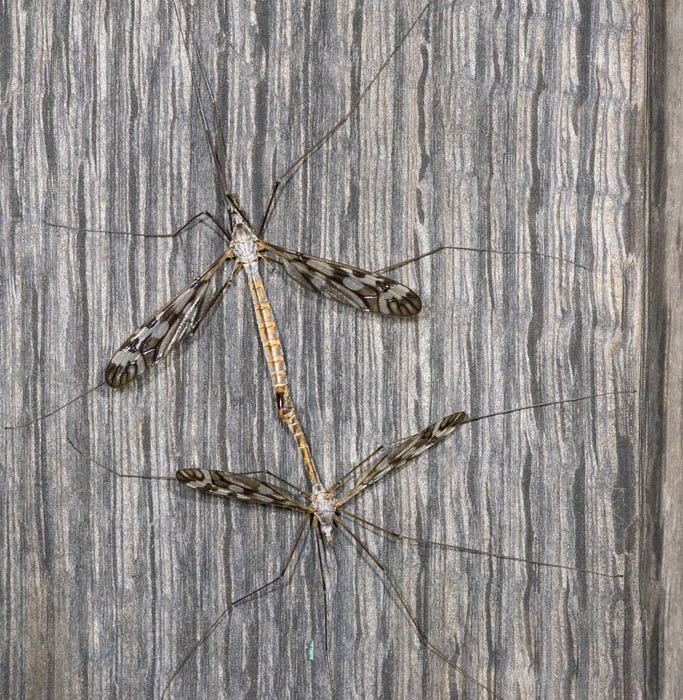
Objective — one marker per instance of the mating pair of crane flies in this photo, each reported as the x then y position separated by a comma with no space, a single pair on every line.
325,508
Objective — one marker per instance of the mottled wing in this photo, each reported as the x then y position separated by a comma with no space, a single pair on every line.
174,321
367,291
398,454
238,486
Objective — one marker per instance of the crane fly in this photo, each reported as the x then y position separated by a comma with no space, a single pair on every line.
182,316
326,513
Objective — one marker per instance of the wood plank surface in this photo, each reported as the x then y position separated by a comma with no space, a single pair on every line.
517,127
660,563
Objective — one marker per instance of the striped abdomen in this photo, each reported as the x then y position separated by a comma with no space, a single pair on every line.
287,414
270,340
272,349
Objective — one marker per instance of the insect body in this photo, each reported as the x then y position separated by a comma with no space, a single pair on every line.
180,317
326,514
322,504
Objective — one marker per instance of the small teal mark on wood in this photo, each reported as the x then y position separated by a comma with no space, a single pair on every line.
311,650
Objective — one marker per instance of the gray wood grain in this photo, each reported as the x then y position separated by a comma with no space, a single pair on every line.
515,127
660,563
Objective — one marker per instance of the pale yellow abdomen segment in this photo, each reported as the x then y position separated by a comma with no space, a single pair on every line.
288,415
272,349
270,339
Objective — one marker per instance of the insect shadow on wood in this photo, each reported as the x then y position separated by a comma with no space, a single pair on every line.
182,316
326,512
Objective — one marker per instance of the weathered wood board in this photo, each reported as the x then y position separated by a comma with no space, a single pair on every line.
510,126
661,575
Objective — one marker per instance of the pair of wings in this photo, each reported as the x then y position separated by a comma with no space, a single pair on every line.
181,316
392,458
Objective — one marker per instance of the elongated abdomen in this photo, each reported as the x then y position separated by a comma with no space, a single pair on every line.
272,349
270,339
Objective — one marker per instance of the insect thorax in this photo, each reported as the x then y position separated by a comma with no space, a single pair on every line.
324,507
245,244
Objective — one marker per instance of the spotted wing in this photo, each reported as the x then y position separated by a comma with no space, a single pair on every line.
238,486
174,321
367,291
397,455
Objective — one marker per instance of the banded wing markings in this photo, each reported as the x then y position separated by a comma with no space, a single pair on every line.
367,291
399,454
239,487
177,319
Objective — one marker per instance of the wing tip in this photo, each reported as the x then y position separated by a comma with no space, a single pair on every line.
117,375
414,302
454,419
403,301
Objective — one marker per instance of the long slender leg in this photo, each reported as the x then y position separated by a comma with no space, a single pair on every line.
37,419
113,471
218,148
318,540
474,419
294,166
408,611
191,222
470,550
269,207
217,295
234,604
494,251
545,404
